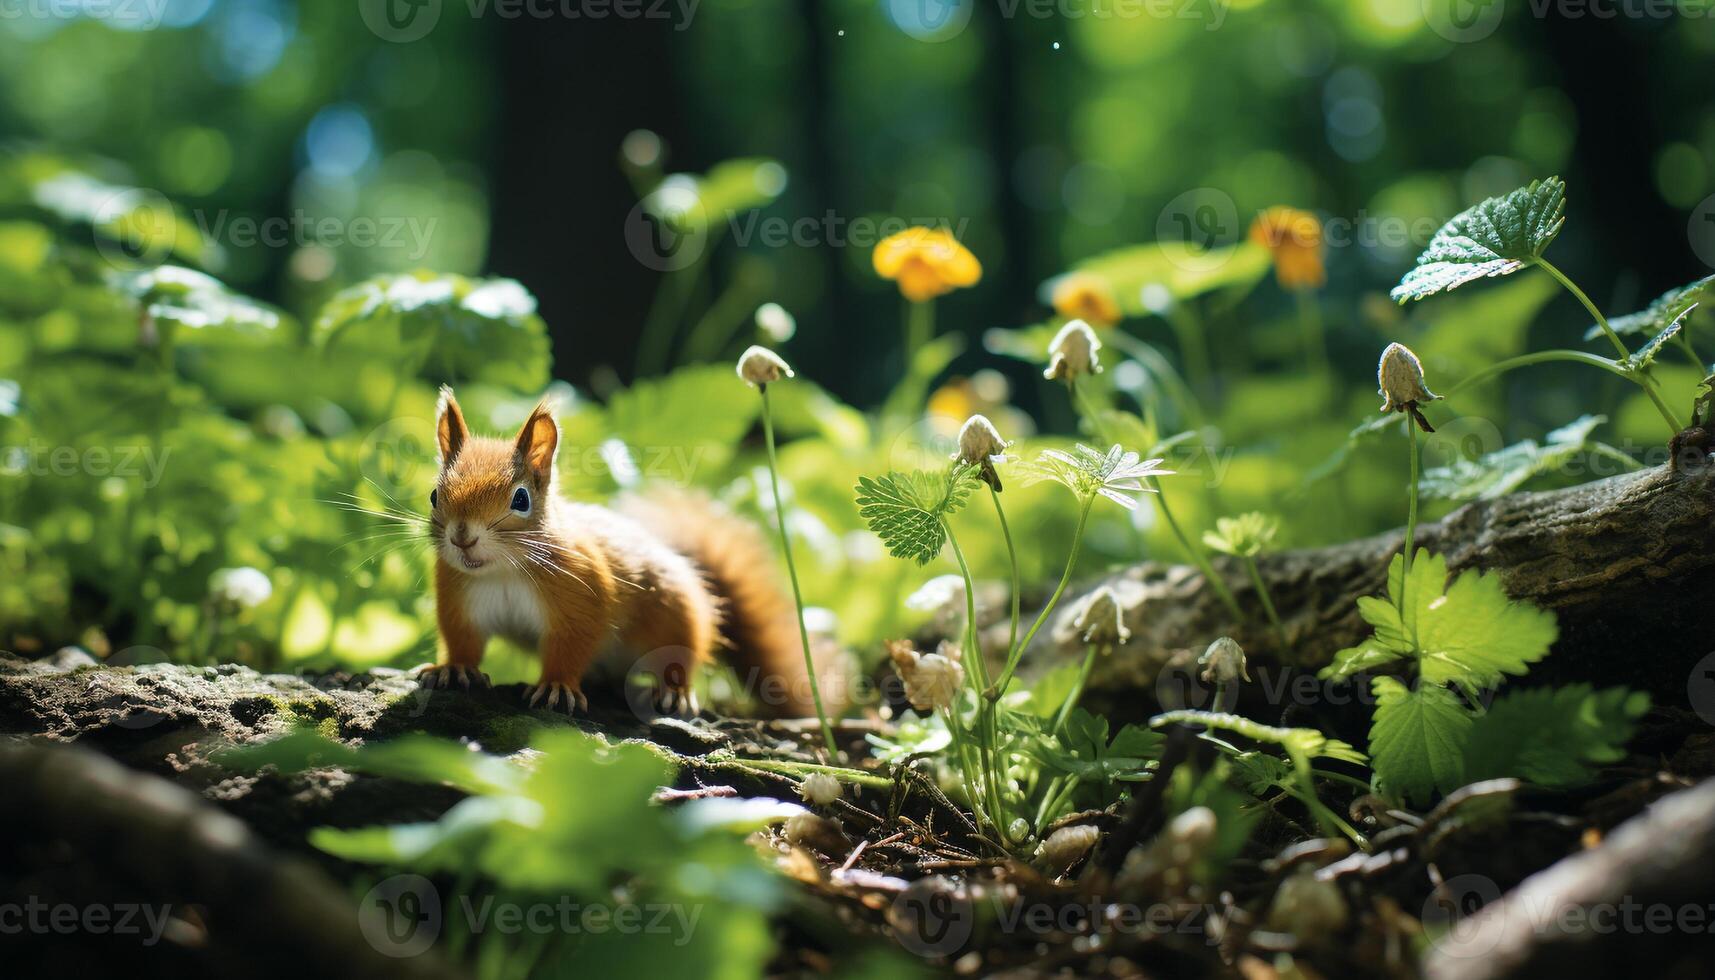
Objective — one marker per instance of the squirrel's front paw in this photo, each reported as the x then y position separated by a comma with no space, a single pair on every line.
557,697
446,675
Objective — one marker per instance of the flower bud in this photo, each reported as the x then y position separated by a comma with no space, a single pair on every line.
1223,662
1101,622
1400,377
759,365
980,445
1073,352
819,788
1065,846
932,680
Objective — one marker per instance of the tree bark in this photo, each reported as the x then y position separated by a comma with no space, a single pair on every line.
1626,564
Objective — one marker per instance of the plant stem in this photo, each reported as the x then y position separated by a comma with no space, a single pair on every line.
1188,328
919,327
1017,653
1410,515
1310,327
1197,557
1076,692
1012,558
987,735
789,767
1268,606
792,572
1641,377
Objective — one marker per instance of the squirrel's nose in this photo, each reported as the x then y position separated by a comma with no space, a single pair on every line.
460,538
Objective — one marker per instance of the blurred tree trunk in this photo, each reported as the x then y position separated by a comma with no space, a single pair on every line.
570,91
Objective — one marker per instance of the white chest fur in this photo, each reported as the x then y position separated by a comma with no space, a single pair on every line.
505,605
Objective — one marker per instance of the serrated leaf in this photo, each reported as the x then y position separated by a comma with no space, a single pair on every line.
1663,310
1553,736
905,510
1644,356
1467,633
1418,739
1493,238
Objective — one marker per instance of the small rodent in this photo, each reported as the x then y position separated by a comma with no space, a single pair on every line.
670,579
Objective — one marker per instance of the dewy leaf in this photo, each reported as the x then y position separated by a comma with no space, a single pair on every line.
905,510
1496,237
1663,310
1552,736
1418,739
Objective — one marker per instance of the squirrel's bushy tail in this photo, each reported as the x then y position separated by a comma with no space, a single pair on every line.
759,621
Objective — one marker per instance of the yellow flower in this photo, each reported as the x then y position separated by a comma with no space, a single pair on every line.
926,262
1083,296
1294,238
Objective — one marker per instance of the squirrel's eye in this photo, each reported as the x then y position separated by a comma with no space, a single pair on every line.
521,500
434,499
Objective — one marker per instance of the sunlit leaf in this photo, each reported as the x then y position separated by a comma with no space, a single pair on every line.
1493,238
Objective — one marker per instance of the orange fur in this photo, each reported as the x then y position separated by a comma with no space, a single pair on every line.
571,580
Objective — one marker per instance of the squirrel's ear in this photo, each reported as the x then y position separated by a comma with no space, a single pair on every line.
450,431
539,438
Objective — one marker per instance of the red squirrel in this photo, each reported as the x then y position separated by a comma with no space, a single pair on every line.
673,578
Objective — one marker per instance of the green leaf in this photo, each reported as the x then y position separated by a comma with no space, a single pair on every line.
443,326
668,424
1306,743
1468,633
1703,410
1644,356
200,309
1418,739
1553,736
1496,237
905,510
1499,473
1663,310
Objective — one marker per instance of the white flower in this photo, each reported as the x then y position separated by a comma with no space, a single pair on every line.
1101,622
775,323
759,365
819,788
932,680
1223,662
1073,352
1400,377
1065,846
937,594
246,587
1165,863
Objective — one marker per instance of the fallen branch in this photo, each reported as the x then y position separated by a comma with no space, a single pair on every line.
1627,563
